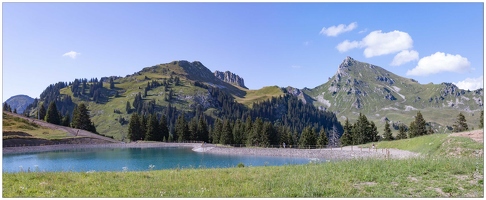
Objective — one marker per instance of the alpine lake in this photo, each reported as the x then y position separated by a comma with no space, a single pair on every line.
133,159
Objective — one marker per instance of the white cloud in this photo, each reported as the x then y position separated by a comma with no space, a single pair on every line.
440,62
363,31
470,83
404,56
347,45
336,30
71,54
377,43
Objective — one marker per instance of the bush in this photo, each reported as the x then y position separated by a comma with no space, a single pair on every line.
241,165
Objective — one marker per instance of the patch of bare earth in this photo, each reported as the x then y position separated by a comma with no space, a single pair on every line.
476,135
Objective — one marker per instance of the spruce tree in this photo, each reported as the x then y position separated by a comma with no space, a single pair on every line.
128,108
257,128
387,135
163,129
460,125
346,138
402,134
193,129
134,128
226,133
412,130
42,112
202,129
420,125
322,139
373,131
182,129
266,133
52,115
81,119
238,132
66,120
216,131
152,128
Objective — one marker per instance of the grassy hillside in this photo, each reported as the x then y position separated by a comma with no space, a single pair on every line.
436,174
254,96
16,127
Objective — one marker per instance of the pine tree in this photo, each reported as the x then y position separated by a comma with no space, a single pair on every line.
134,131
238,132
387,135
193,129
257,128
128,108
52,115
374,135
266,133
346,138
66,120
420,125
42,112
81,119
412,130
202,129
401,132
15,111
307,137
216,131
5,107
164,130
322,139
460,125
152,128
143,126
226,133
182,129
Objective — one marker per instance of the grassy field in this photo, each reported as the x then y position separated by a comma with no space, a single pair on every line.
16,124
435,174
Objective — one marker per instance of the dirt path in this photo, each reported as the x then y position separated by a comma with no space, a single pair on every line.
476,135
71,131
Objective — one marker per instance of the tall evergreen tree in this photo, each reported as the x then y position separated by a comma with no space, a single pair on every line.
420,125
307,137
182,129
412,130
402,134
346,138
460,125
164,130
266,133
387,135
202,129
52,115
322,139
216,131
143,126
128,108
81,119
238,132
373,131
42,112
152,128
257,128
361,130
226,133
193,129
134,128
66,120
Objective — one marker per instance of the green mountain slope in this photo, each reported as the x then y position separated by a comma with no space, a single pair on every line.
359,87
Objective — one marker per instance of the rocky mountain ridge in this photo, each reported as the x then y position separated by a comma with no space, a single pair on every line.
231,78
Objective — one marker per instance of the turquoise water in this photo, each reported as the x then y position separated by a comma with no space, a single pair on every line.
133,159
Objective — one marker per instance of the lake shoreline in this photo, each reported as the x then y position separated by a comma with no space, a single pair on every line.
344,153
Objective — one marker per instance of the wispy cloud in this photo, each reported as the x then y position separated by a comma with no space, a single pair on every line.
440,62
306,43
470,83
363,31
404,56
336,30
72,54
377,43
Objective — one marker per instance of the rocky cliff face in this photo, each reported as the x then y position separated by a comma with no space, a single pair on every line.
231,78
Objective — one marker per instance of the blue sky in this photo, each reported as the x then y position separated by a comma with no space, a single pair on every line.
283,44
